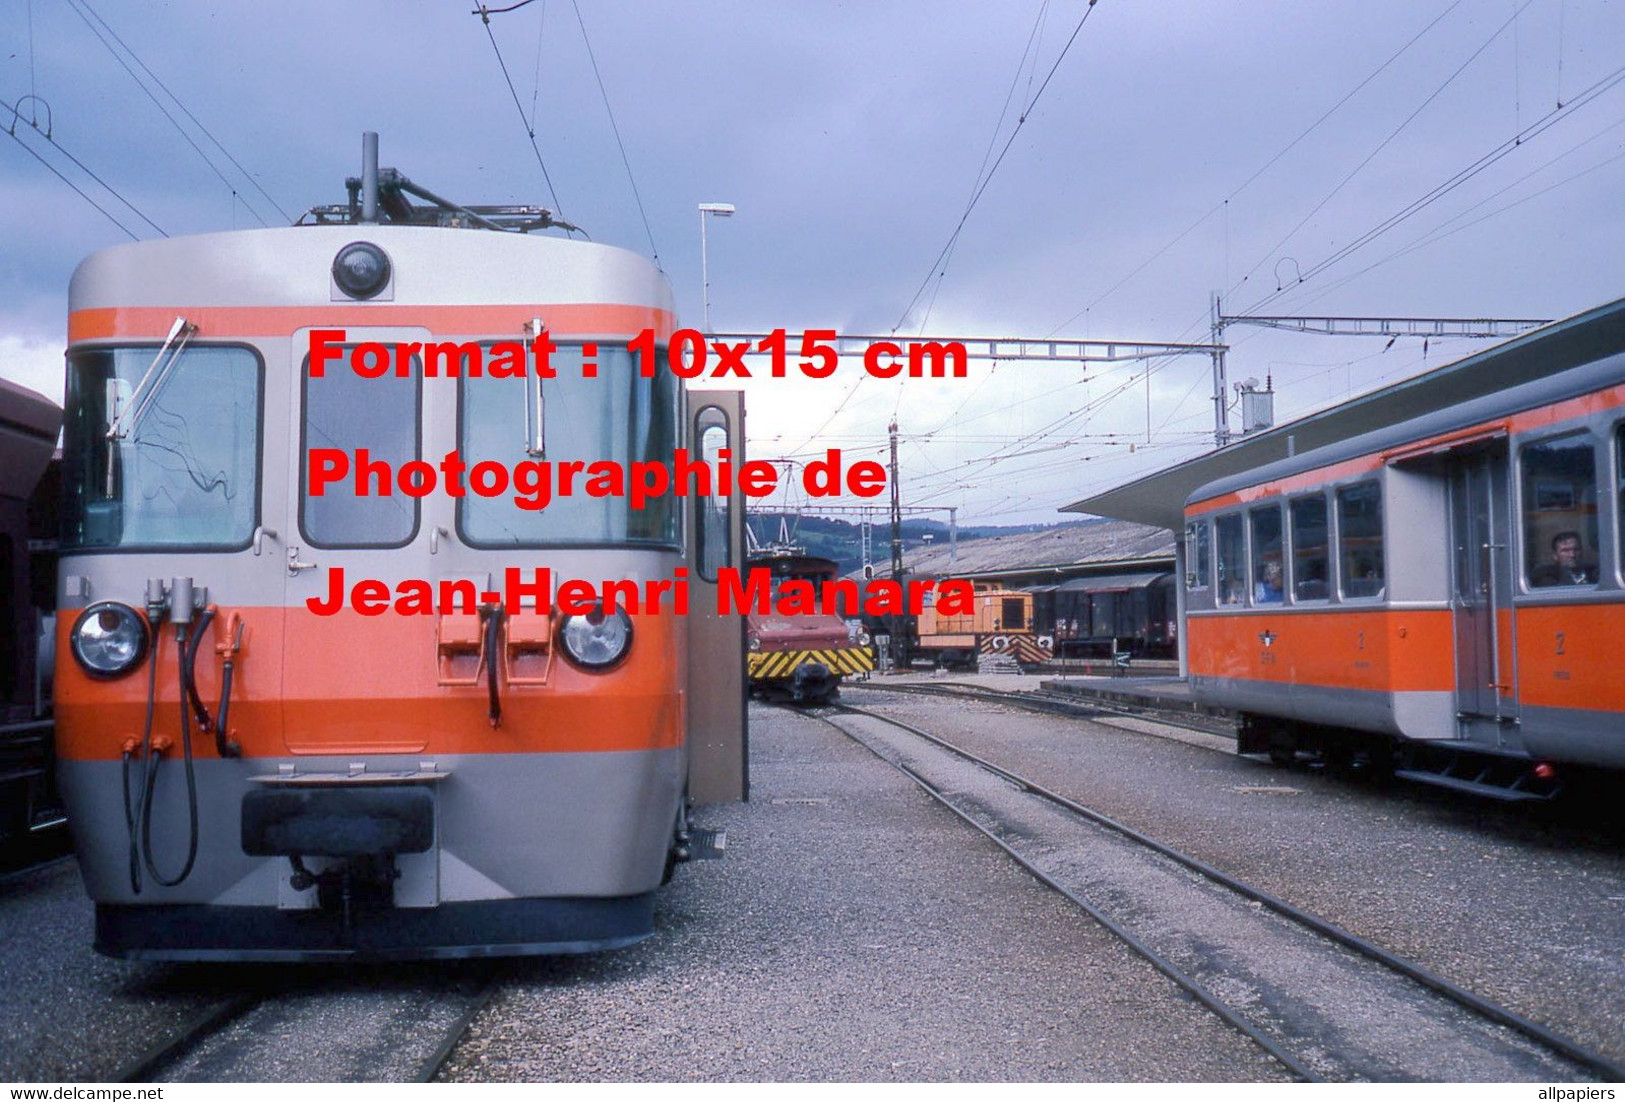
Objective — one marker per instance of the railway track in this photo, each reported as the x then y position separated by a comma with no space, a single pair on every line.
1326,1003
331,1032
1068,704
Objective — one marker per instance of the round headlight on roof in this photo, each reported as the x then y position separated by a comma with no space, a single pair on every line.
361,269
597,640
109,639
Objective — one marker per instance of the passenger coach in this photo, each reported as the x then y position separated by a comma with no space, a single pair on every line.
1446,592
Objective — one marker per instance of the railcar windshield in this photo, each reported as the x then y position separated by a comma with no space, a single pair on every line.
617,416
182,473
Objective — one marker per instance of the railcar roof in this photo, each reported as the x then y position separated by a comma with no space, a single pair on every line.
1158,499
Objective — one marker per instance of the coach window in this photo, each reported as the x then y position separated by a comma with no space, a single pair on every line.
1359,538
713,511
349,412
1196,551
175,466
1560,512
1311,564
1619,481
1232,547
1268,571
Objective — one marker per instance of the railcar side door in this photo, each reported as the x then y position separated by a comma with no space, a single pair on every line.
718,744
1481,591
354,681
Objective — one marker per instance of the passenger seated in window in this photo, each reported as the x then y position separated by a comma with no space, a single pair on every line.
1565,567
1268,589
1312,587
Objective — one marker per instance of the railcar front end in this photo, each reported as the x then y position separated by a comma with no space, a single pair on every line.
355,722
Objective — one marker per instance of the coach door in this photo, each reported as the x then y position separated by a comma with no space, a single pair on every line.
718,769
1481,599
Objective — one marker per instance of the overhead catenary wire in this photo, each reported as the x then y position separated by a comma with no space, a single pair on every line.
976,196
1455,223
53,170
1262,169
530,131
51,139
1484,162
1445,187
1378,148
653,248
1027,52
187,112
981,189
156,102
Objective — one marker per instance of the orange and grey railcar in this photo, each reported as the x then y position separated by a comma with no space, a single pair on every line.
1444,594
248,779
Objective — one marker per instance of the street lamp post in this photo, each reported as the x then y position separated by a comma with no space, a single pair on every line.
721,210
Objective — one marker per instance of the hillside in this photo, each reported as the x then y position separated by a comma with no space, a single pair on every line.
843,541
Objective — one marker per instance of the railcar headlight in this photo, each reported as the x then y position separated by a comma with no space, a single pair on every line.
361,269
597,640
109,639
864,639
755,641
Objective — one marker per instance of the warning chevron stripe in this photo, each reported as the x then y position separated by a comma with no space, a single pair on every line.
1022,647
775,665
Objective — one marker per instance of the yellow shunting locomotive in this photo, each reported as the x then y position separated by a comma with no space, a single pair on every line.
1001,625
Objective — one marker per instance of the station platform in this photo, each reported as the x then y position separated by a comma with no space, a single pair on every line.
1170,692
1173,693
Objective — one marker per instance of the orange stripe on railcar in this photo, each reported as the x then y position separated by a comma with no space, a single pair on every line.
1379,650
1566,656
225,322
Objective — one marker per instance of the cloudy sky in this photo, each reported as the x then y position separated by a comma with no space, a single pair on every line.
1176,148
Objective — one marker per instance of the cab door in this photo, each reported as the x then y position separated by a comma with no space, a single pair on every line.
718,743
352,682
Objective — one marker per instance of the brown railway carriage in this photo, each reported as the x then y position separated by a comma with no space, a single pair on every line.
1399,593
28,431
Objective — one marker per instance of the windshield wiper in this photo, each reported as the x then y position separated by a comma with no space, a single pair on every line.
535,406
168,355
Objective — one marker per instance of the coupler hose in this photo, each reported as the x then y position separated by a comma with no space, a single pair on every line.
493,639
188,674
222,740
186,691
137,750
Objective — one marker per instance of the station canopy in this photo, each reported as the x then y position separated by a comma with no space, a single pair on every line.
1159,499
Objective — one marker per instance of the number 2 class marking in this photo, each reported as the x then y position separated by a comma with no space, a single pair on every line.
1560,642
